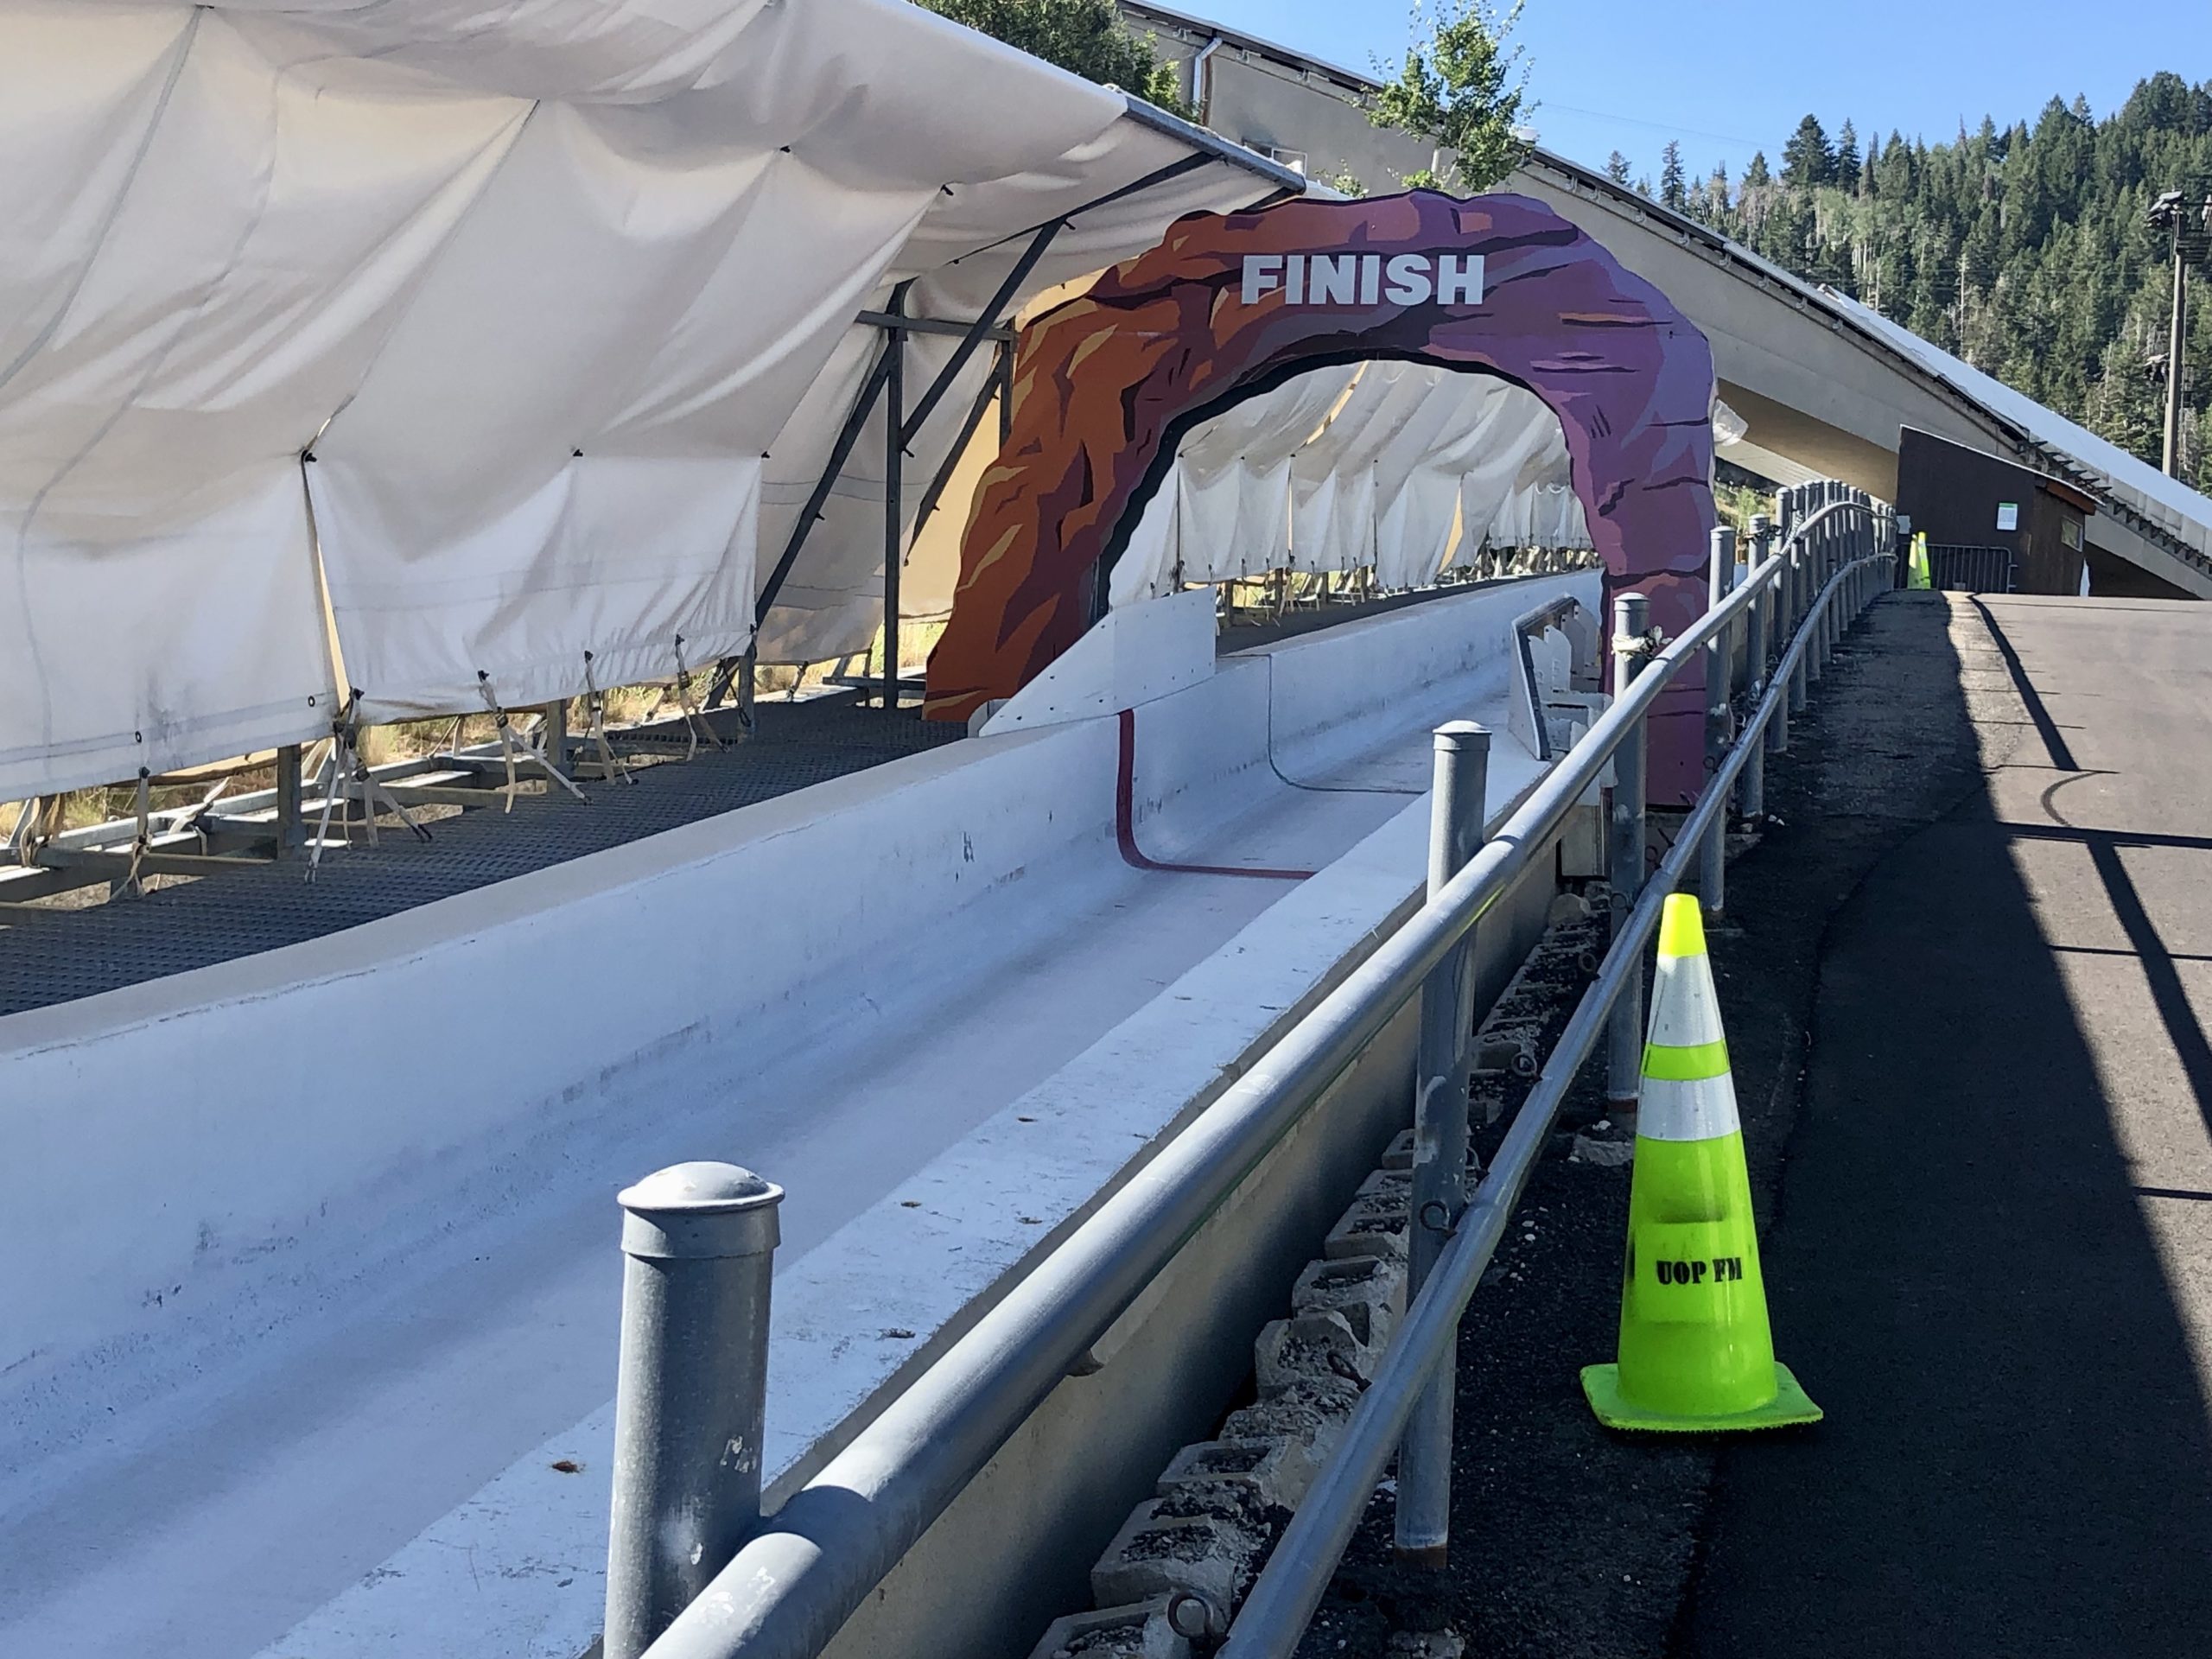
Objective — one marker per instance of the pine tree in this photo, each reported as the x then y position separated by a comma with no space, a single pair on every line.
1670,177
2021,247
1846,158
1807,161
1616,167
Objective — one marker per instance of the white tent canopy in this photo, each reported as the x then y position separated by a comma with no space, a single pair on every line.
1399,468
514,330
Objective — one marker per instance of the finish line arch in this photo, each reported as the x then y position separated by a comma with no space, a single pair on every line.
1229,306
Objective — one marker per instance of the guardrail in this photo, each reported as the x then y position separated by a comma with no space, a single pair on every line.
676,1591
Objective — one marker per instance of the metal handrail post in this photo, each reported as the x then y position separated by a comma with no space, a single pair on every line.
1712,852
1458,811
1625,850
1786,607
699,1250
1751,797
1800,555
1822,530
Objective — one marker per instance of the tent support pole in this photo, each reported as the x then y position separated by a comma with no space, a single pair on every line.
894,484
991,388
985,322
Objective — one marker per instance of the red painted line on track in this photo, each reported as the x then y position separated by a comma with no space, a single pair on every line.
1125,826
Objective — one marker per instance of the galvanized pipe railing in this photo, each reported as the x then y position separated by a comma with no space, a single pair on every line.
790,1587
1275,1614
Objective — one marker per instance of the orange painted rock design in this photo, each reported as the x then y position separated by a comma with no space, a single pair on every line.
1229,306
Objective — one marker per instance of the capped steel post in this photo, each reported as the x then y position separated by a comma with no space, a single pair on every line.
1624,850
1458,810
1751,798
1712,851
699,1242
1797,548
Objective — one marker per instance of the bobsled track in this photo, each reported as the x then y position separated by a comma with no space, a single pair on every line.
978,979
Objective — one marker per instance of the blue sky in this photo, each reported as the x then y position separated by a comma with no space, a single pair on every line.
1727,77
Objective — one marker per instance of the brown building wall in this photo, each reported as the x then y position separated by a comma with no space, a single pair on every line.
1953,493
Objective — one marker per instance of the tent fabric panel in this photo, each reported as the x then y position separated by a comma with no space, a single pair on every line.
241,271
1393,467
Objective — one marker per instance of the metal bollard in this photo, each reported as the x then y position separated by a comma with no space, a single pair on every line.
1458,811
1713,854
699,1242
1817,579
1624,849
1800,570
1787,519
1751,799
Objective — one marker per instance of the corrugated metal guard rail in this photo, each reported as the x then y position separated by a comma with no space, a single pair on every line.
687,1532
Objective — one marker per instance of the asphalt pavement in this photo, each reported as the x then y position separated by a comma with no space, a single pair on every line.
1966,974
1991,1250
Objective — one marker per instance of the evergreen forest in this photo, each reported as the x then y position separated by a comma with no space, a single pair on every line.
2027,249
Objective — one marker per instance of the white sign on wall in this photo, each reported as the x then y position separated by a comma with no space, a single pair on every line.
2008,515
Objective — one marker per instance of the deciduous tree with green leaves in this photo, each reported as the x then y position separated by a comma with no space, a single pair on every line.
1463,86
1086,37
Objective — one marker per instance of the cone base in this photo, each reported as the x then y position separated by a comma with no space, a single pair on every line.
1790,1405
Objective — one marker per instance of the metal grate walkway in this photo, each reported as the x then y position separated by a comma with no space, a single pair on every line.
57,955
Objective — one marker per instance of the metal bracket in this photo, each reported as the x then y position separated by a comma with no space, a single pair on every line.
516,748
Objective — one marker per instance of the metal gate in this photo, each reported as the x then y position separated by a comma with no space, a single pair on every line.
1972,570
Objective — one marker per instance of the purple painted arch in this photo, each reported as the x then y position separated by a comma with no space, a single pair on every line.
1106,384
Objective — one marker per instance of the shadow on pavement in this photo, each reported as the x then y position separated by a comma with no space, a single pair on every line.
2017,1459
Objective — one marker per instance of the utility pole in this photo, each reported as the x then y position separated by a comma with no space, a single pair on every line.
2169,210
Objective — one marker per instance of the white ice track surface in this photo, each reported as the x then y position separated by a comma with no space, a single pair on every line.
273,1452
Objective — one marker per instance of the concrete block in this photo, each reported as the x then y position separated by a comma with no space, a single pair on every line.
1138,1631
1309,1344
1387,1186
1374,1224
1398,1157
1369,1291
1607,1154
1569,908
1252,1468
1513,1052
1399,1154
1308,1418
1151,1556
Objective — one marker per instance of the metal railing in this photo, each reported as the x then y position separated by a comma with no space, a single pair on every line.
799,1574
1972,570
1281,1602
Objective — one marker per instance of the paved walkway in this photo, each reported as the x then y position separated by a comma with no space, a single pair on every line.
1992,1255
